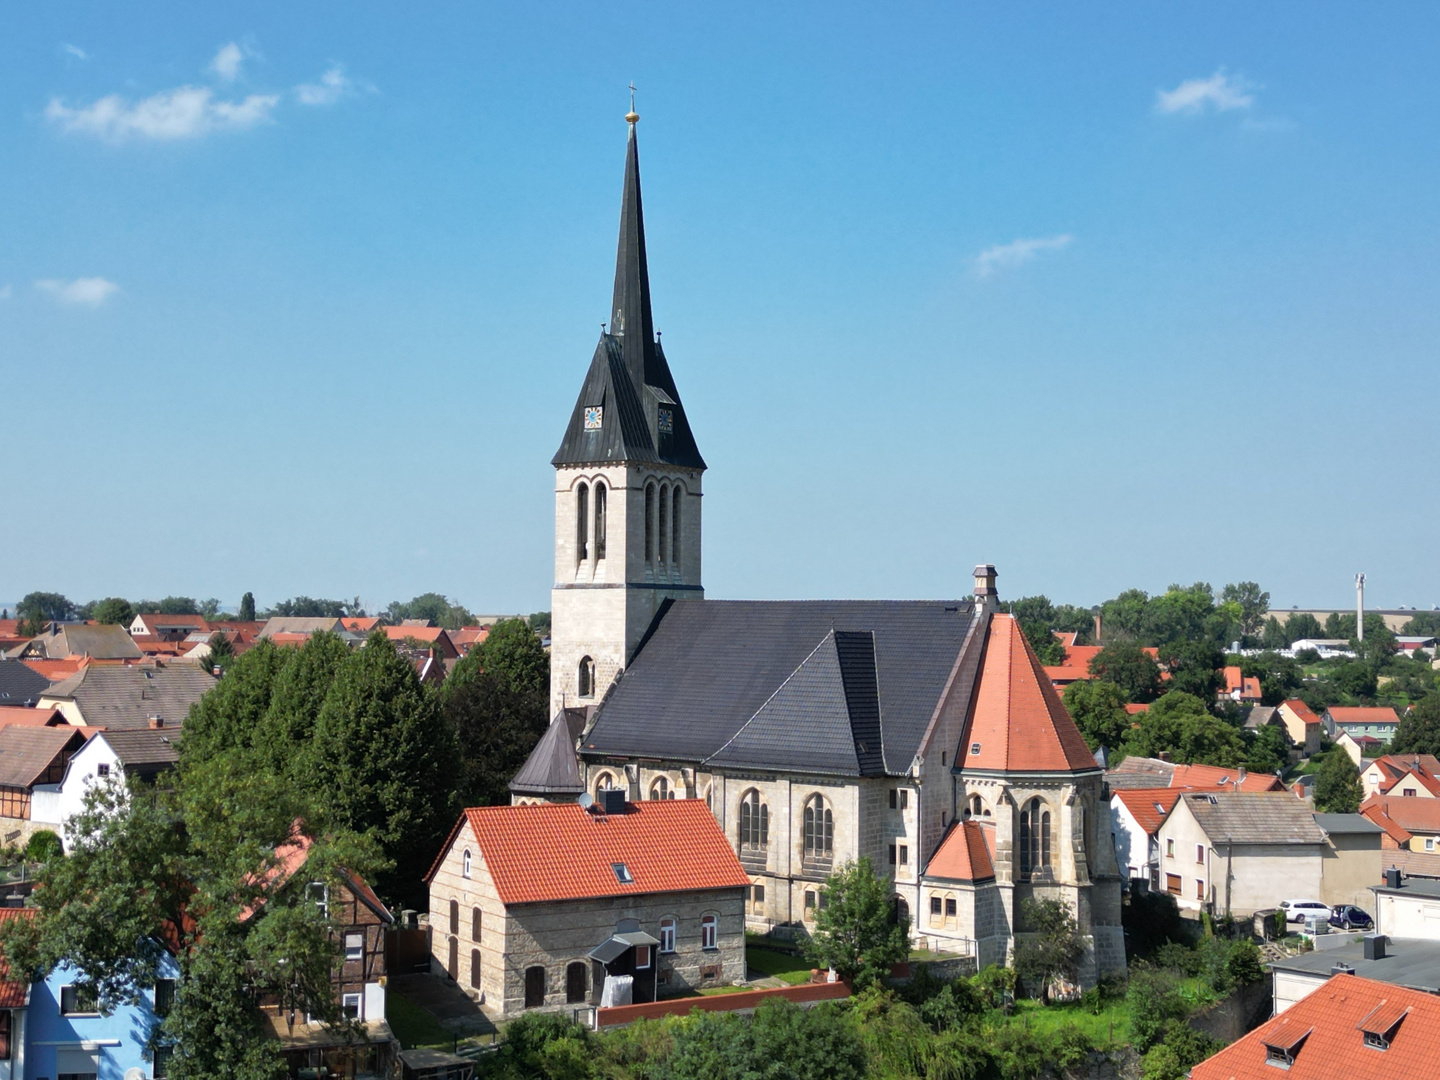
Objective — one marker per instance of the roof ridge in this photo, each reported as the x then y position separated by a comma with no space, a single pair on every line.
764,704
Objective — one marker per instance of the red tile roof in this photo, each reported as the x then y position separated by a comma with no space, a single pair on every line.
1019,722
1377,814
361,625
1066,637
1412,815
13,992
57,670
18,714
1149,806
1326,1035
1394,767
963,854
1203,777
291,856
559,851
1249,686
1303,711
1346,714
1135,709
1076,665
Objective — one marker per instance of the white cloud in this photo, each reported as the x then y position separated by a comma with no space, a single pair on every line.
91,291
227,62
74,50
186,112
333,85
1017,253
1220,92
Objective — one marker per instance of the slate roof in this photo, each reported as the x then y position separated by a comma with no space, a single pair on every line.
14,993
19,684
82,639
143,749
1246,817
300,624
118,697
709,667
963,854
558,851
27,752
1018,722
553,767
629,378
1411,962
1326,1031
1347,824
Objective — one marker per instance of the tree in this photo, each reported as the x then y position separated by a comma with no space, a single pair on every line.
1419,730
497,725
305,607
297,694
1422,624
177,605
210,608
1181,614
1274,636
1098,709
1337,784
856,931
1253,603
386,757
1129,667
432,606
39,608
1181,725
1050,946
113,611
1123,618
540,622
1303,626
1280,676
220,654
225,719
44,845
247,607
512,651
1194,667
1268,750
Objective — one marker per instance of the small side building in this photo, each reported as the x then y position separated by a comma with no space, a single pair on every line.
540,906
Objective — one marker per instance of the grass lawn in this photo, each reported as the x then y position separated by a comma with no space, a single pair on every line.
793,970
713,990
1109,1027
412,1025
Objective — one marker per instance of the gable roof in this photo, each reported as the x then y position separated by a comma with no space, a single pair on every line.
1149,806
1248,686
299,624
56,670
292,855
553,767
1018,722
1411,815
1205,777
27,753
20,684
1392,767
1325,1032
156,621
963,854
707,667
1254,817
144,748
1362,714
30,717
119,697
1300,709
14,993
82,639
558,851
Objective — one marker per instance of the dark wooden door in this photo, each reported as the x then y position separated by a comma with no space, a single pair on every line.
534,987
575,983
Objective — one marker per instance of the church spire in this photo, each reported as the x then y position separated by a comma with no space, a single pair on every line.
632,321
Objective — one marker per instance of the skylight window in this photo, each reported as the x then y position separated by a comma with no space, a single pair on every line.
622,873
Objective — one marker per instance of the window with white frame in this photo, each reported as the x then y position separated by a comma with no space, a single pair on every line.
354,946
708,926
465,864
352,1005
667,935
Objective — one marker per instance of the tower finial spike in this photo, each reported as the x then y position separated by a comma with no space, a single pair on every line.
632,116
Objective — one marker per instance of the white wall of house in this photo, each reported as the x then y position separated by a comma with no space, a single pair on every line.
58,803
1290,986
1132,842
1414,916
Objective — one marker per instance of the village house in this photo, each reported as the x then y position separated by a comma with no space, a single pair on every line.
64,640
555,904
1408,823
1302,725
1350,1027
1239,687
1142,772
1136,815
1239,852
20,685
29,758
1373,721
167,627
1407,907
123,696
1407,962
1406,775
142,754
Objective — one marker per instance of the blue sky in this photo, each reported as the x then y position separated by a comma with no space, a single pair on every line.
296,298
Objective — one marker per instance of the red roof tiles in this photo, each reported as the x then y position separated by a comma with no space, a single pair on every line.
1325,1034
1019,722
1303,711
1411,815
1202,777
1149,806
963,854
1368,714
552,852
57,670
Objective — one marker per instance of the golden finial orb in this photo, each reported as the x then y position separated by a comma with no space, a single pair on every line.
631,117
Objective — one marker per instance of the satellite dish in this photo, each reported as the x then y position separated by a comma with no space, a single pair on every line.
136,1073
586,801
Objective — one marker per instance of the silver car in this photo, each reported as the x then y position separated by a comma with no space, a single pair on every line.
1299,910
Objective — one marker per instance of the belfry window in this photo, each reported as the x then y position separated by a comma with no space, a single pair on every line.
754,822
1034,838
819,828
582,522
675,525
600,501
587,677
664,538
649,523
660,789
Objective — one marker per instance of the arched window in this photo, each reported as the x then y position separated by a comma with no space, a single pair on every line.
586,677
465,864
575,982
660,789
454,916
664,537
604,782
708,928
709,796
819,828
899,910
649,523
601,502
475,926
675,525
475,968
667,934
1034,838
754,822
582,522
452,968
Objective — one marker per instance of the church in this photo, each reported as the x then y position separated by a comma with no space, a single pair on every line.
922,734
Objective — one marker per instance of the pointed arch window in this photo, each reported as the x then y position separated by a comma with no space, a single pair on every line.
660,789
601,501
604,782
675,525
663,538
1034,839
586,677
819,828
649,523
754,822
582,522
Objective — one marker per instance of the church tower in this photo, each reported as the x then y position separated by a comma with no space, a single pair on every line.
627,487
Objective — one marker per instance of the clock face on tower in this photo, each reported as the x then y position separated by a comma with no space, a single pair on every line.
593,416
667,421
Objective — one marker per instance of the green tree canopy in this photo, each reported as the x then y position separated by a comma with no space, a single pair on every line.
1280,676
220,654
297,693
511,651
38,608
1267,750
1048,947
1098,709
856,931
226,718
1422,624
306,607
432,606
1195,667
247,607
1419,730
1182,725
176,605
1253,602
1303,626
1337,784
1131,668
113,611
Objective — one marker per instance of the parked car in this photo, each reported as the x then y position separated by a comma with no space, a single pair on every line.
1298,910
1350,917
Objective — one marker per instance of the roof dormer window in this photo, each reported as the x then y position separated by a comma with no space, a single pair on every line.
1282,1046
622,873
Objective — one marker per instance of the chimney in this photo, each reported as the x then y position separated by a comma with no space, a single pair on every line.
985,585
1163,755
1097,629
1375,946
1392,878
1242,778
156,723
1342,968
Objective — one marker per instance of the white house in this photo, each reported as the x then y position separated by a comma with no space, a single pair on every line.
1135,816
1408,907
143,753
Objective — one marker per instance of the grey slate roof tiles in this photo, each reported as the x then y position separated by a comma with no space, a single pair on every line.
708,667
1255,817
27,752
19,684
117,697
553,767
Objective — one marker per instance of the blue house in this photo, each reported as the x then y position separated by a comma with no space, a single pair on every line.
66,1036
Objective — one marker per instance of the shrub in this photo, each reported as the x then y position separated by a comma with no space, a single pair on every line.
996,985
1154,1000
43,846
